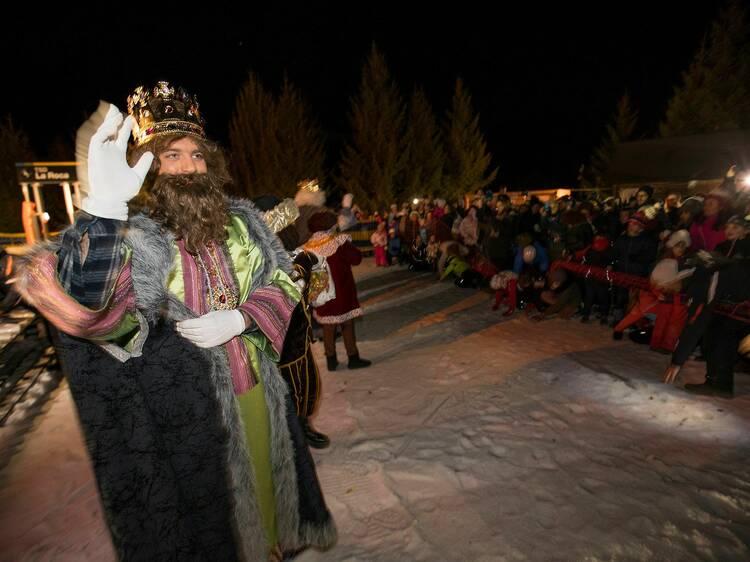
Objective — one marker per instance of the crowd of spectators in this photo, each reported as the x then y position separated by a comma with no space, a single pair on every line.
628,264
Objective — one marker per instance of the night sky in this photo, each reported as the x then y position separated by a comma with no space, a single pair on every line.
545,81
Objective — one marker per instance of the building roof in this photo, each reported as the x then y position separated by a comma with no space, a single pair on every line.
680,159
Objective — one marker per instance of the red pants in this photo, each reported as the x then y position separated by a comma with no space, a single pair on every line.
670,319
380,258
647,302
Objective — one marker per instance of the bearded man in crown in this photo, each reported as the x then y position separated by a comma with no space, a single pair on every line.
173,302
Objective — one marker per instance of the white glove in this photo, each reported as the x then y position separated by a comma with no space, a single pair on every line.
112,183
212,329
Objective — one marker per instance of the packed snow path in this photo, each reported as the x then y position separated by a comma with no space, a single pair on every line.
479,438
471,438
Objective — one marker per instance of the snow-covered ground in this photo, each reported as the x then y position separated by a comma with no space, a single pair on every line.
472,437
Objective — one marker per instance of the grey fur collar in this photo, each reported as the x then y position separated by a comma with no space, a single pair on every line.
153,255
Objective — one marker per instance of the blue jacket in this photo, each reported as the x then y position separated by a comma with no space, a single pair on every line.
541,261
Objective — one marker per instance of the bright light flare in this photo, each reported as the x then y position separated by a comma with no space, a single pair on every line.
415,201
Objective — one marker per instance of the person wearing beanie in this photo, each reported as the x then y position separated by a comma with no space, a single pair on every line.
379,241
665,283
341,255
707,230
634,253
644,196
529,268
680,238
687,212
671,311
719,311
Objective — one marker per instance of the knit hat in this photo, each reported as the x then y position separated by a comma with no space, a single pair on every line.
640,218
646,189
600,243
681,236
740,220
692,204
322,220
722,195
666,272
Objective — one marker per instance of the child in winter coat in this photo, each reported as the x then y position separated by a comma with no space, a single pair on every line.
634,253
529,267
671,312
379,241
663,298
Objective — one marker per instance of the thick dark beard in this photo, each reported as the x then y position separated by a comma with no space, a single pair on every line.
192,206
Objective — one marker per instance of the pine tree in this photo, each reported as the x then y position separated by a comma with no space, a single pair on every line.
14,147
302,150
468,164
715,90
425,157
373,160
252,135
275,141
620,130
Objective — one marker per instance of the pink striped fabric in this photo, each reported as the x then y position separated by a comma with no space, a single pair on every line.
196,299
271,309
42,290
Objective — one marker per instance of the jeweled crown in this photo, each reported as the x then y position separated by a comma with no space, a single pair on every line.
310,185
164,110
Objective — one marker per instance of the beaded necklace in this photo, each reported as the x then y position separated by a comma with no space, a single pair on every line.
221,295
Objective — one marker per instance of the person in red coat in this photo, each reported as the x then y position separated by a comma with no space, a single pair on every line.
341,255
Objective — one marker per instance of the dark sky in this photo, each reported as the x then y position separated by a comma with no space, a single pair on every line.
545,81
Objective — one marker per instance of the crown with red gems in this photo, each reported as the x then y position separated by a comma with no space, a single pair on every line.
164,110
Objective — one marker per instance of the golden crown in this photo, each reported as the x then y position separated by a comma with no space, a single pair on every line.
310,185
164,110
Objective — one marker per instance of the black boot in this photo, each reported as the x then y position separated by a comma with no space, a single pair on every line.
356,363
709,389
332,362
315,439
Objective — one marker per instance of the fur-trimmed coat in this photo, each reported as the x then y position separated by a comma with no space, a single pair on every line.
165,434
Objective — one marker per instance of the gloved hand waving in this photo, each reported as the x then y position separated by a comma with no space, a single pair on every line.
112,182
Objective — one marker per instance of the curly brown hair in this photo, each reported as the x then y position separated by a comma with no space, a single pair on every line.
193,206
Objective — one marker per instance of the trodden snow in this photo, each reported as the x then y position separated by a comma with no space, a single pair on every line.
472,437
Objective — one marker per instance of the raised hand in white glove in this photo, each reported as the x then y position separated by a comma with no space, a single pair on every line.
212,329
112,182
